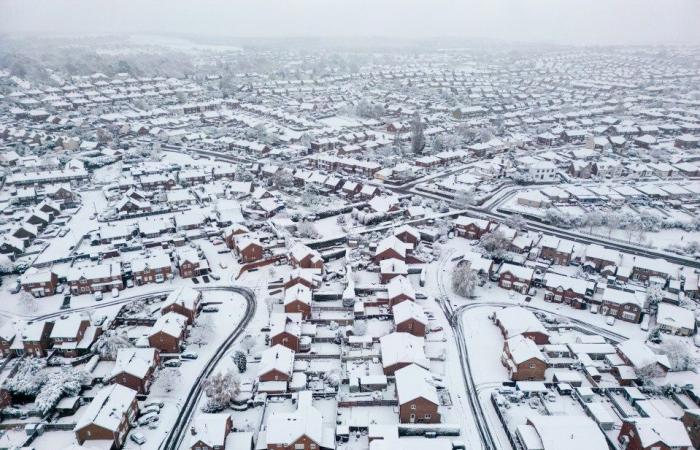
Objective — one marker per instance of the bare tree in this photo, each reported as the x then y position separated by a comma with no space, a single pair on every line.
464,280
417,137
221,390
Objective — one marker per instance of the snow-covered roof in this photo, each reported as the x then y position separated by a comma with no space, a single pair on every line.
108,407
400,285
521,272
286,428
402,348
183,295
134,361
577,432
298,292
654,430
640,355
67,328
409,310
516,321
210,429
413,382
171,324
675,316
277,357
523,349
554,281
393,266
621,297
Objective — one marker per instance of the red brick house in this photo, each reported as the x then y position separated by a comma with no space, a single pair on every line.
417,396
473,228
567,290
168,333
233,232
39,283
67,332
297,299
248,249
109,416
558,251
517,278
654,433
209,431
183,300
523,359
409,317
36,338
152,269
285,329
399,290
134,368
408,234
303,257
276,364
90,279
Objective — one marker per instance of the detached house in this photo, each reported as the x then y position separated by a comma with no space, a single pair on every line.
134,368
109,416
517,278
183,300
39,283
168,333
418,399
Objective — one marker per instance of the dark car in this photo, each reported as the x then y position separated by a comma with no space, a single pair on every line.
66,302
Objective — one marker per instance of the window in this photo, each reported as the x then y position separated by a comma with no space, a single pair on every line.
531,365
413,406
428,416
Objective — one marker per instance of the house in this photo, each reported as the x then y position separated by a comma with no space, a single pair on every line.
390,269
189,263
514,277
409,317
90,279
209,431
675,319
553,432
600,257
652,433
303,429
307,277
303,257
558,251
417,396
155,268
473,228
523,359
297,299
109,416
390,247
407,234
134,368
231,233
691,420
622,305
564,289
285,329
36,338
68,331
276,364
168,333
642,358
400,289
248,249
517,321
183,300
401,349
39,283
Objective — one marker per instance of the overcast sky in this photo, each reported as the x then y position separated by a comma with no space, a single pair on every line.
556,21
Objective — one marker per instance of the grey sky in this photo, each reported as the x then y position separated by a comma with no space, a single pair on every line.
557,21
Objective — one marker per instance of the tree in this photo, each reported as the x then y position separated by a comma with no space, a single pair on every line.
465,198
221,390
109,343
169,378
516,221
654,295
417,137
495,244
203,330
241,361
67,381
307,230
28,377
464,280
248,343
283,178
679,356
359,328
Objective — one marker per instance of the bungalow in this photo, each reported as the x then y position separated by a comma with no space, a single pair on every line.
109,416
134,368
168,333
417,396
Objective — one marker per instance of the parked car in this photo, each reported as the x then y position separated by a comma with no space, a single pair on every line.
115,292
189,355
210,309
98,296
172,363
138,438
148,418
